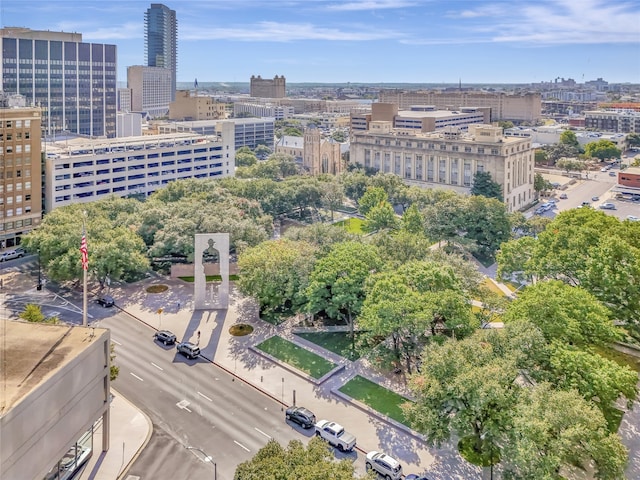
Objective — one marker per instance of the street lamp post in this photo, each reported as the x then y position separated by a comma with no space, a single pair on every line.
39,287
207,458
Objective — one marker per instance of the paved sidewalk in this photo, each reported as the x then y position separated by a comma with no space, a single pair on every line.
282,383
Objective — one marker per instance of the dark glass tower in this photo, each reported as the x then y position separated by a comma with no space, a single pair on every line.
74,82
161,40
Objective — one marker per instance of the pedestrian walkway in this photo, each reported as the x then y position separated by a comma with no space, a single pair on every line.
172,310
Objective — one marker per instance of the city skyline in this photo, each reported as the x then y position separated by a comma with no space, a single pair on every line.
372,41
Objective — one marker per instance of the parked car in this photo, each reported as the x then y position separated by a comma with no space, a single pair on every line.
383,465
165,336
595,198
540,210
632,218
586,204
607,206
413,476
612,174
336,435
188,349
11,254
300,415
604,169
106,301
563,196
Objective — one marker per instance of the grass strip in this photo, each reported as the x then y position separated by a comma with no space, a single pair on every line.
296,356
336,342
377,397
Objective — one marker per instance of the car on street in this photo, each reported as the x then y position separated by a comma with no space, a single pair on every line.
302,416
604,169
612,174
632,218
165,336
11,255
413,476
607,206
336,435
106,301
595,199
188,349
586,204
384,465
563,196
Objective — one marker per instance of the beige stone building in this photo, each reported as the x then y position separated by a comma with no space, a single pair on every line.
55,387
267,88
525,107
321,155
290,145
187,107
449,158
20,173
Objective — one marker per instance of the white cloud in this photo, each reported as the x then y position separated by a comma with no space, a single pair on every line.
371,5
285,32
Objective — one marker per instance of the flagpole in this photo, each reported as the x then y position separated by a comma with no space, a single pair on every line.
84,272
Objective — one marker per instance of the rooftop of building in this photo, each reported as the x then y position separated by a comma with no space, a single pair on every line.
237,121
452,134
32,352
433,113
632,170
73,146
290,141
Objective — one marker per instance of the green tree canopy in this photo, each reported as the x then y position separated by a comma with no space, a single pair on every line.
484,185
33,313
381,216
244,159
602,149
276,273
373,197
568,137
296,462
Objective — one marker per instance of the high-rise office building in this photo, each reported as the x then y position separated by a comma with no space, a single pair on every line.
72,81
150,90
20,171
161,40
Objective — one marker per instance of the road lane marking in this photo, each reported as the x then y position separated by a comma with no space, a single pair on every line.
204,396
241,446
137,376
183,405
260,431
158,367
116,342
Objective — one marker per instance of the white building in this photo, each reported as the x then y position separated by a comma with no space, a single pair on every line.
150,90
129,124
81,170
449,158
279,112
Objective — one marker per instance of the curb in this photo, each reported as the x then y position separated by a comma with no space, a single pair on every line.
294,370
135,456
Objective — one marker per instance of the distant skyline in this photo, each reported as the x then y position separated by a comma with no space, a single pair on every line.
365,41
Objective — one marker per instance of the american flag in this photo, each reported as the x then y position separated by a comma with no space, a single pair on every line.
84,252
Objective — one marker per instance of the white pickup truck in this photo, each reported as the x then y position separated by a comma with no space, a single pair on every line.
336,435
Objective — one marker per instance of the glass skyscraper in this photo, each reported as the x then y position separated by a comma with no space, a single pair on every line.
161,40
74,82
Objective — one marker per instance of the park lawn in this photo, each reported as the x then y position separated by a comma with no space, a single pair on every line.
492,286
377,397
298,357
352,225
211,278
336,342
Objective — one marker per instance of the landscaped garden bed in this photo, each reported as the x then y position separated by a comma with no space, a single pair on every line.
296,356
336,342
376,397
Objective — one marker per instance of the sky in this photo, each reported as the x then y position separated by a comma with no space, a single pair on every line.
365,41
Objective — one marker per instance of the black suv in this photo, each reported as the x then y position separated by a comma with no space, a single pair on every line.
106,301
300,415
165,336
188,349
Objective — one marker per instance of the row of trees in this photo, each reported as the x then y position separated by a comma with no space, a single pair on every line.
568,147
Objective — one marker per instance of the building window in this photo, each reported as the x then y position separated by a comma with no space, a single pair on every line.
495,151
467,174
442,170
443,147
480,149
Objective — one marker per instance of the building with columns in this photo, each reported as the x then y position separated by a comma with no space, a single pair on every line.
449,158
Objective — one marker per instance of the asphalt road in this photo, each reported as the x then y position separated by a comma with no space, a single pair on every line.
192,403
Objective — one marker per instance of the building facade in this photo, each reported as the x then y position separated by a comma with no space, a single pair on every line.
449,158
56,386
248,132
321,155
72,81
266,88
526,107
20,173
187,107
84,171
279,112
161,41
150,90
619,121
290,145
